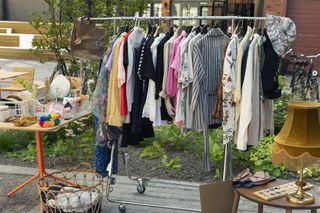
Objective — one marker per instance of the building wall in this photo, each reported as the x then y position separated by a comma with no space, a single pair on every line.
166,7
21,10
276,7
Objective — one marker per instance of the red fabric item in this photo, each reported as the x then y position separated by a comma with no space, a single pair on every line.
123,93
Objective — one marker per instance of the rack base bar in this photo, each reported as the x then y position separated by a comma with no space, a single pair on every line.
122,202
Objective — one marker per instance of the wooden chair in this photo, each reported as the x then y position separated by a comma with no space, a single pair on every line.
216,197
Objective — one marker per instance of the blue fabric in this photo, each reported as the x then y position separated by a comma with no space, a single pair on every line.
102,151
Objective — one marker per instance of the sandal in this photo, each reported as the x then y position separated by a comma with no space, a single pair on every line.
261,178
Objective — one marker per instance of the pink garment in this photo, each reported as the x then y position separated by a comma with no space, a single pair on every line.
176,64
172,78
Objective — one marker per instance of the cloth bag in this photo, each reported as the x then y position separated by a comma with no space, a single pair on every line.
87,41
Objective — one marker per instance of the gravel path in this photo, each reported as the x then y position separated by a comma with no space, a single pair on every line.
23,201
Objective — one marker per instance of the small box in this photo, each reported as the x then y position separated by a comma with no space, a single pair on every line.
19,108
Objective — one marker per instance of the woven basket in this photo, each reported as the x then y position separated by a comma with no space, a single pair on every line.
76,190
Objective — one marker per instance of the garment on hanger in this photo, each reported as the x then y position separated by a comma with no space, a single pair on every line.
151,108
208,54
246,97
269,74
171,87
228,86
167,50
237,95
122,76
99,95
183,81
160,76
114,117
189,124
134,41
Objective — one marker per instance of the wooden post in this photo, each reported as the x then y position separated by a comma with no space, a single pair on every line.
166,10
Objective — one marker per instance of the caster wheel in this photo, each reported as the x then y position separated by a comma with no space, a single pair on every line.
141,189
122,208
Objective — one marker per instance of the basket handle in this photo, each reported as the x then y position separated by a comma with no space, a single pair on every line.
85,165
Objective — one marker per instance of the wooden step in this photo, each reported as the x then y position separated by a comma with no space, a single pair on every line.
24,54
19,27
5,30
9,40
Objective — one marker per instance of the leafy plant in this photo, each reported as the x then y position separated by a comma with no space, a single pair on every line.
14,140
28,85
280,111
55,25
58,148
216,153
152,152
261,157
30,154
6,142
169,164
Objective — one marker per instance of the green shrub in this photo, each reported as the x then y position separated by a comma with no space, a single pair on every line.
15,140
30,154
152,152
169,164
280,111
261,157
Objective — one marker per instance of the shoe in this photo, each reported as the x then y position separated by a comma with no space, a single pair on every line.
243,179
261,178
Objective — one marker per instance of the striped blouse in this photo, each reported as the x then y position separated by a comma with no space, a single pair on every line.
208,57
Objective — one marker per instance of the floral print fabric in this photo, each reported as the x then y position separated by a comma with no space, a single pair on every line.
229,85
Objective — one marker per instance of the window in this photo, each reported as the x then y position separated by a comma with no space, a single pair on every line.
188,8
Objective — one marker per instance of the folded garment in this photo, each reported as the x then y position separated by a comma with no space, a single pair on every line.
25,120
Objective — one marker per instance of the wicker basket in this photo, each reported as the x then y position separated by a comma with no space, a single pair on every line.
76,190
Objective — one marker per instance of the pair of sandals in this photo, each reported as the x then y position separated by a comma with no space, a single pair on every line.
247,180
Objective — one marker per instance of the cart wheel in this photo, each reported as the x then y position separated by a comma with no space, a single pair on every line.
141,189
122,208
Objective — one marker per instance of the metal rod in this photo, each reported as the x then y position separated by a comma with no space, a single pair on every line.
167,18
225,162
150,205
206,154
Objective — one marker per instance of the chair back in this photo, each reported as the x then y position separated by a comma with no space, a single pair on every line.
216,197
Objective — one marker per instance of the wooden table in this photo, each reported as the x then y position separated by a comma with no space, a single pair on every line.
278,203
38,131
6,75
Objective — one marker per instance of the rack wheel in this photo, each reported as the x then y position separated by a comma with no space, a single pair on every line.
122,208
141,189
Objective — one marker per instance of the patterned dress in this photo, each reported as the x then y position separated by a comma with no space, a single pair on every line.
228,85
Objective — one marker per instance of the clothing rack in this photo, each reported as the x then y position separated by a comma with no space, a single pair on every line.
169,18
227,149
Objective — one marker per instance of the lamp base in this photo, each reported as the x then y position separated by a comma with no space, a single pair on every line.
300,197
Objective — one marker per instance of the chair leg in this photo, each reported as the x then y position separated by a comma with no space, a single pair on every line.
313,210
236,200
260,208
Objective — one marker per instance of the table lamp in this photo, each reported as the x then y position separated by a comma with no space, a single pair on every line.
298,145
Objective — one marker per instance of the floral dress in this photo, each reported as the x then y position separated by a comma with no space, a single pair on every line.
228,85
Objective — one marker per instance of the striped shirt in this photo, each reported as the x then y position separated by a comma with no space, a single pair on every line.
208,56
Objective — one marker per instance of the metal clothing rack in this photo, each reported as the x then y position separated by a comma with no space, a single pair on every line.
169,18
227,170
